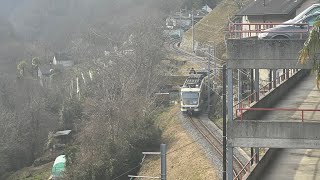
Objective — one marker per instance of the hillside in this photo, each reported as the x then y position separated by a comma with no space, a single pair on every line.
187,161
187,164
11,49
212,27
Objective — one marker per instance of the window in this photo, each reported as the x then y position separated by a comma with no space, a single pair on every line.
311,19
316,9
190,98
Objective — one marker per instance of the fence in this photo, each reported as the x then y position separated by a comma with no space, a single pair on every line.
247,30
263,91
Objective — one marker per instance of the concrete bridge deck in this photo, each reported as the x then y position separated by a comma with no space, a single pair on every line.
296,164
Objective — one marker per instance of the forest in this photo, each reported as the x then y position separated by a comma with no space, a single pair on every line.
106,98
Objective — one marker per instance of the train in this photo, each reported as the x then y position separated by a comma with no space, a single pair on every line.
193,92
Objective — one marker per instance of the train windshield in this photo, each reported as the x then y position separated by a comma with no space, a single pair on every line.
190,98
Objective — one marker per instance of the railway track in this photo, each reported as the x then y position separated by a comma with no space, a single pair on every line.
202,62
173,45
216,143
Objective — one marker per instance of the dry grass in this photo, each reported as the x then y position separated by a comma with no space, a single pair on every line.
42,172
187,162
184,69
212,27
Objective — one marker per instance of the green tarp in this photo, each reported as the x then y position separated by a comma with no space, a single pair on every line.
58,166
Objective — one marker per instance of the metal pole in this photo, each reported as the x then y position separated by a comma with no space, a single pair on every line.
215,62
239,87
163,151
180,26
224,112
192,30
251,84
214,78
209,88
252,90
274,78
229,128
257,77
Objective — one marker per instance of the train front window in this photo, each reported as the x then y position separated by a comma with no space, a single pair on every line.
190,98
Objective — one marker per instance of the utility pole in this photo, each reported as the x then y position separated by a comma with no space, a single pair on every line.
224,114
239,87
163,154
251,92
230,122
209,79
214,62
214,77
192,22
257,79
163,151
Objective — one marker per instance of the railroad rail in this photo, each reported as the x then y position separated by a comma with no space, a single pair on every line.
173,45
239,169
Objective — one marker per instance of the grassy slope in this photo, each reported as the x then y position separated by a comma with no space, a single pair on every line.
189,162
212,27
32,173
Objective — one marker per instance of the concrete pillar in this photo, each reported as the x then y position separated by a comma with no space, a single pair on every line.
239,86
256,84
274,75
251,84
270,79
257,90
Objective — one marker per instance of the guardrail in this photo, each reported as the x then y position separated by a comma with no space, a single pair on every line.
276,109
245,169
246,30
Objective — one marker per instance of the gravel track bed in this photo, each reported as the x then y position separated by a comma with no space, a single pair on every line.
241,154
211,154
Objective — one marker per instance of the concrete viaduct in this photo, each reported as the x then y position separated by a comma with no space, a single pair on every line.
252,131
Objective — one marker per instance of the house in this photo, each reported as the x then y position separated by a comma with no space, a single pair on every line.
62,59
171,22
206,8
62,137
44,73
272,11
269,11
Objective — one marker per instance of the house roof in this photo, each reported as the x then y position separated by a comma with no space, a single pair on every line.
270,7
62,133
45,69
62,56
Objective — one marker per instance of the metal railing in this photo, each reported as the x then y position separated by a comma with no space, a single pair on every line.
276,109
246,168
246,30
263,91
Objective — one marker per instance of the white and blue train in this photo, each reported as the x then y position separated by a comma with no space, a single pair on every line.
192,92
